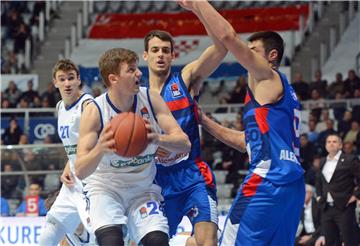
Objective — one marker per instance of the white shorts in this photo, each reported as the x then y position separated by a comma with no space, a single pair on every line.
138,209
71,208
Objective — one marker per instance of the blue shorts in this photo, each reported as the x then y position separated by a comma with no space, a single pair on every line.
264,214
197,204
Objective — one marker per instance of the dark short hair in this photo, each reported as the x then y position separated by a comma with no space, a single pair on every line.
162,35
271,41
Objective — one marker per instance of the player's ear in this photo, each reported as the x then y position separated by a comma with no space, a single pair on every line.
172,56
273,55
54,83
145,55
112,78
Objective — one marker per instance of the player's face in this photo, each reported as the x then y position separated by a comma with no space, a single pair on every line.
159,56
258,47
129,77
68,83
333,144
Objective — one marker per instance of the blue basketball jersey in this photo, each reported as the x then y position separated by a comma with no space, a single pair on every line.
272,136
183,108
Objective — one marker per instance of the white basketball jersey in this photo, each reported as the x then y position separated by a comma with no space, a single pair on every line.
68,126
124,172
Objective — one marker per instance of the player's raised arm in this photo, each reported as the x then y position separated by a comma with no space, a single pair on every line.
91,146
174,139
255,64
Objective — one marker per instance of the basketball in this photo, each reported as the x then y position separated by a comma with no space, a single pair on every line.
130,134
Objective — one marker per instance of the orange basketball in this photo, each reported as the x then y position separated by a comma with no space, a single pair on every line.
130,134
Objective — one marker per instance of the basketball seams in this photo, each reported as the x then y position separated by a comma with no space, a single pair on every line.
131,133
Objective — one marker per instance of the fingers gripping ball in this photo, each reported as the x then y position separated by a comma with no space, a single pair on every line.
130,134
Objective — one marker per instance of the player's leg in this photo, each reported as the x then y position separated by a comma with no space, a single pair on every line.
62,218
107,217
52,233
292,205
110,235
203,214
254,215
147,223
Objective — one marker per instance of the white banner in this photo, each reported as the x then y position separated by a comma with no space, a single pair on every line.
187,49
20,80
26,231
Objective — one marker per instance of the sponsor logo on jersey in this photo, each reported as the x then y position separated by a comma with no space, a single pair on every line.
175,91
193,213
133,162
70,149
143,212
145,113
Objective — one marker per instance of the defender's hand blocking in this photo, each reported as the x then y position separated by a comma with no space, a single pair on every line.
189,5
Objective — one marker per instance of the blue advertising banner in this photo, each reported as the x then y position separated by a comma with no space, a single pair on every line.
39,127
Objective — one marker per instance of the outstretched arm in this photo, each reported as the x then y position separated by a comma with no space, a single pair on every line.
197,71
92,147
173,139
256,65
230,137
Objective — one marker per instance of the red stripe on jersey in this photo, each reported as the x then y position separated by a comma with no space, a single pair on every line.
178,104
205,172
249,188
247,98
261,119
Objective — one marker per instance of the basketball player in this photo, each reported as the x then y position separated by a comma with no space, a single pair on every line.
70,207
267,208
121,190
187,181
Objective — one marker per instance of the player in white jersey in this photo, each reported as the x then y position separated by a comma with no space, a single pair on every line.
70,207
121,190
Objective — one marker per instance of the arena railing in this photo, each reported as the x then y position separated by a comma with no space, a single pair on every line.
32,161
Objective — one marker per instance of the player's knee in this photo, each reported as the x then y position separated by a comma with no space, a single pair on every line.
111,235
155,238
52,233
205,240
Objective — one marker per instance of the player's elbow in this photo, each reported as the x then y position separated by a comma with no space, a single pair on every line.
79,172
187,143
228,36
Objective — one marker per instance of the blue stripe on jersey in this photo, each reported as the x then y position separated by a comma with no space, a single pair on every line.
150,103
101,118
74,103
115,108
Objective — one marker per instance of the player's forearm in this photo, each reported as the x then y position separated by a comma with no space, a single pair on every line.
230,137
178,142
215,24
86,164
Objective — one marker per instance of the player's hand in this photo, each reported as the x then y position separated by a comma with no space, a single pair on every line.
152,136
351,200
320,241
304,239
188,4
162,153
106,139
67,178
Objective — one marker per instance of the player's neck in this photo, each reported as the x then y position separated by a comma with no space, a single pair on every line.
157,80
123,103
70,101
